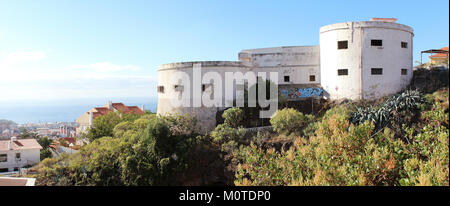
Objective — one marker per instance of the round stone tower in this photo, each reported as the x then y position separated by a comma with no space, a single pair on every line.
365,60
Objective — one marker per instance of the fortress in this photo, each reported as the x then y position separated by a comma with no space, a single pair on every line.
355,60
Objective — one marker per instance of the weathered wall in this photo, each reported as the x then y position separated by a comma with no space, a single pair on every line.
205,115
27,157
297,62
360,57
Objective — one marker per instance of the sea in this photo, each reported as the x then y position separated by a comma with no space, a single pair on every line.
38,111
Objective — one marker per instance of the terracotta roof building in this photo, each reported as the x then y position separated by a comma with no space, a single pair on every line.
440,58
17,153
86,119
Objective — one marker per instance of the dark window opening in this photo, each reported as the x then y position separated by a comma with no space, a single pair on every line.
161,89
18,155
203,87
342,44
16,169
404,44
3,157
286,78
404,71
377,71
342,72
4,170
376,42
312,78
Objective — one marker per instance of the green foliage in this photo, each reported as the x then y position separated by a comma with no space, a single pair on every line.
406,102
233,117
142,152
340,153
289,121
181,124
227,137
45,153
103,126
44,142
25,134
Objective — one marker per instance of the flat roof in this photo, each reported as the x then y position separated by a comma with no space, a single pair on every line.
17,181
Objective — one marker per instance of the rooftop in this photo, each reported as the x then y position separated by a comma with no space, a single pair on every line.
19,144
16,181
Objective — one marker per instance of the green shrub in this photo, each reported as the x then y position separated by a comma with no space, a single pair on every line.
340,153
289,121
137,155
223,133
233,117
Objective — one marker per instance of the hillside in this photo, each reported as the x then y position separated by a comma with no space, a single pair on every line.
399,140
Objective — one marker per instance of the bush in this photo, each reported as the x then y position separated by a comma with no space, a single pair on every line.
340,153
103,126
233,117
135,156
288,121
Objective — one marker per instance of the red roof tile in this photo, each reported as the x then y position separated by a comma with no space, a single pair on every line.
20,144
441,55
100,111
136,110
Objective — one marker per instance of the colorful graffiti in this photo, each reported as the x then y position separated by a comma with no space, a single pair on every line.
298,93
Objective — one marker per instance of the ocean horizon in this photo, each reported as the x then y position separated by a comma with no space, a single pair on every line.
22,112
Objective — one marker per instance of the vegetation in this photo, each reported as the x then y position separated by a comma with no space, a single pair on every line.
103,125
343,153
142,152
402,141
289,121
45,142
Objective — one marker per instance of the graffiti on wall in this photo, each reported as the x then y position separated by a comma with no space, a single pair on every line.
298,93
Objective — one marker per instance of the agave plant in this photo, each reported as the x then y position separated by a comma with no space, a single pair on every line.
407,101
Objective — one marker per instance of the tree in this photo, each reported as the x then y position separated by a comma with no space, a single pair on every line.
288,121
103,126
45,142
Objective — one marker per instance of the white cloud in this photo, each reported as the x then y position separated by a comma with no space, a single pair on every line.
25,75
20,57
107,67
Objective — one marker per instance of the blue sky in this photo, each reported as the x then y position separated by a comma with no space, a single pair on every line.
63,49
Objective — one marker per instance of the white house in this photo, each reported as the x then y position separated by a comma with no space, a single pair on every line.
17,153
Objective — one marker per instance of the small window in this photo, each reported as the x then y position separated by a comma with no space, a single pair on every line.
161,89
377,71
404,72
203,87
16,169
376,42
342,72
17,155
342,44
3,157
4,170
178,88
404,44
312,78
286,78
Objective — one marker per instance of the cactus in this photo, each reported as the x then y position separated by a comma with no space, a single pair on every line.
407,101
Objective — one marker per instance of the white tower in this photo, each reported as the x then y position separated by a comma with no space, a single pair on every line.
365,60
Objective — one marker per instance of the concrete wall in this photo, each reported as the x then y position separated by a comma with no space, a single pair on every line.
360,57
205,115
27,157
297,62
301,62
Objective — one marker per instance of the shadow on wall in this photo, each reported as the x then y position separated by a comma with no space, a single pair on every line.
429,81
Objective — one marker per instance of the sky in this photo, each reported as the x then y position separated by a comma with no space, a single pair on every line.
58,50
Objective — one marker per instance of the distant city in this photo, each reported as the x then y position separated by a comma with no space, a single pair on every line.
53,120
